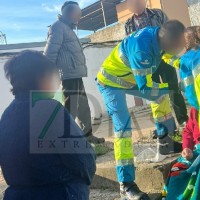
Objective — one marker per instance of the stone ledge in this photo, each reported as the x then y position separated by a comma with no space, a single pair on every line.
150,177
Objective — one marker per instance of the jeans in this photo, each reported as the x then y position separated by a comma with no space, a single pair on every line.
76,102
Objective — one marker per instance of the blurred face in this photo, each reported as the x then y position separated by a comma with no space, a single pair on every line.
136,6
50,82
75,14
175,47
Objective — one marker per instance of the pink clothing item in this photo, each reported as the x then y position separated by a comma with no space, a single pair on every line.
191,134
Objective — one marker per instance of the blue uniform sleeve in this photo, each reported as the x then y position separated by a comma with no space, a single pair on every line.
187,82
142,66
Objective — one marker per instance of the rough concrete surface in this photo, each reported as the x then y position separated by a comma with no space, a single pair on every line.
150,177
97,194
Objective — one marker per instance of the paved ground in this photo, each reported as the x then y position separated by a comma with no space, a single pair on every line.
143,125
113,195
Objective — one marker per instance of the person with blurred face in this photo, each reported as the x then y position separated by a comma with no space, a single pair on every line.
143,17
64,49
128,70
37,173
187,165
137,6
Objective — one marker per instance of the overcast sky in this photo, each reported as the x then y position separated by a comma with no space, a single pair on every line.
27,20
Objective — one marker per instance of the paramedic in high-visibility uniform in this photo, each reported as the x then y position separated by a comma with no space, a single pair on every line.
129,70
190,67
189,64
141,18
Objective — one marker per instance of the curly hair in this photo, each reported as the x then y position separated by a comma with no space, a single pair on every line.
192,36
25,70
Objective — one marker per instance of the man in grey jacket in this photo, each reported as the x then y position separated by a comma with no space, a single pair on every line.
64,49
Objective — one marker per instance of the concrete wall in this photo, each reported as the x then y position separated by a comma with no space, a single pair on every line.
116,32
194,10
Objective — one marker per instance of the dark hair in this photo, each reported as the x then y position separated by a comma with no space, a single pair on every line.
68,3
194,40
26,69
172,30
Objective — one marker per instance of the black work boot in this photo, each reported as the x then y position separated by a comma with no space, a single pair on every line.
95,140
168,146
130,191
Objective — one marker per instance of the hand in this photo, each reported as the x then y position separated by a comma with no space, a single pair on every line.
187,154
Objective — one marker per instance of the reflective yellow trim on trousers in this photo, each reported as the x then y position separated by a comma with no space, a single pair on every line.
164,118
123,148
124,162
162,109
121,134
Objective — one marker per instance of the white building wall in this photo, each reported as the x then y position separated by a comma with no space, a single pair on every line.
94,56
5,96
194,10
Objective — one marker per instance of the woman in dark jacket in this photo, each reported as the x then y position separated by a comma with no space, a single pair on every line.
36,162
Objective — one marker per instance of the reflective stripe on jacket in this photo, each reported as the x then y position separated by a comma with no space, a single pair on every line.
172,60
134,61
190,76
114,70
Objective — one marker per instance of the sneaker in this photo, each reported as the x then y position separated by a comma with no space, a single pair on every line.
168,146
95,140
130,191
